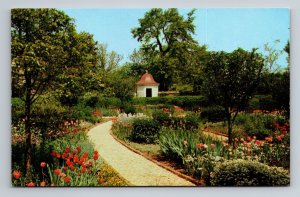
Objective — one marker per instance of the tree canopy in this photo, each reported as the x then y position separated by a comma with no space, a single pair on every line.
47,54
167,43
230,80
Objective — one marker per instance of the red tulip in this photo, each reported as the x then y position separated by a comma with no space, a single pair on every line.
31,184
16,174
43,164
57,171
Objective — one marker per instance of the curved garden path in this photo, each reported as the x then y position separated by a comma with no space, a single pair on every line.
137,170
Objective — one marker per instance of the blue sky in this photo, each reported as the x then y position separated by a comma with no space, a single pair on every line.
219,29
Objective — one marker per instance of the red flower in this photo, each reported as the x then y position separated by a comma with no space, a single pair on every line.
85,155
76,159
69,163
78,149
248,138
199,145
95,157
31,184
68,150
90,163
43,164
67,179
74,152
57,171
64,155
53,153
101,180
258,142
83,170
82,160
282,136
212,146
96,152
16,174
279,138
65,168
269,139
43,184
72,168
79,174
276,125
57,155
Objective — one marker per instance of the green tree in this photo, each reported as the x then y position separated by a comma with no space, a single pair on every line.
119,83
167,43
230,79
46,51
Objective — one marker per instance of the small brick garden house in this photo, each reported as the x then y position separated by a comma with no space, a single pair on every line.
147,86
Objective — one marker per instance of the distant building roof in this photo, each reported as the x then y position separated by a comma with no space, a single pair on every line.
147,79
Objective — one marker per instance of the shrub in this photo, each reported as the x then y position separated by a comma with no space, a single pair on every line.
258,124
253,103
266,102
145,131
161,117
213,114
92,101
129,109
108,102
17,109
108,112
191,122
248,173
188,102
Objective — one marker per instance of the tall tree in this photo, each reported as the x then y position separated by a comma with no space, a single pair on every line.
230,80
45,46
166,38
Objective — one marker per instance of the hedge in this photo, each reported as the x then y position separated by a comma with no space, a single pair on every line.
248,173
190,102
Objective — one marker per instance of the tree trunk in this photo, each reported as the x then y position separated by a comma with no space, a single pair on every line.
28,147
229,127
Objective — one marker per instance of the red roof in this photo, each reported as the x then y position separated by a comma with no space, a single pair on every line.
147,79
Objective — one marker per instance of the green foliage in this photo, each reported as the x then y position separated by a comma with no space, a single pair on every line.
248,173
230,80
129,109
122,128
161,117
189,102
257,124
109,102
17,110
168,46
213,114
266,102
253,103
189,122
83,112
108,112
120,84
48,54
172,144
145,131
